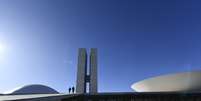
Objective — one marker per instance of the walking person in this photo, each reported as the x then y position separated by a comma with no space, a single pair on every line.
73,89
69,90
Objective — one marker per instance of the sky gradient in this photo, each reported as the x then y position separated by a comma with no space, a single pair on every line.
136,39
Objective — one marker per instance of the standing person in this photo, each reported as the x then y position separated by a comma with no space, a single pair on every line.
73,89
69,90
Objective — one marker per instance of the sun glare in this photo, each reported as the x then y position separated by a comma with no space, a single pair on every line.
2,48
2,52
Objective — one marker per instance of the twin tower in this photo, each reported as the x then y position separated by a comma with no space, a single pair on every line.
87,74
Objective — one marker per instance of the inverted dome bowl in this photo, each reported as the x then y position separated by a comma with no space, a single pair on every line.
179,82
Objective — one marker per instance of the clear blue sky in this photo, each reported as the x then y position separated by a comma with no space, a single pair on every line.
136,39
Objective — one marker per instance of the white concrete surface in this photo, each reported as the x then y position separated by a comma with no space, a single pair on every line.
31,96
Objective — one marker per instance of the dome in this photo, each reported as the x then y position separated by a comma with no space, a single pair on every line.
33,89
178,82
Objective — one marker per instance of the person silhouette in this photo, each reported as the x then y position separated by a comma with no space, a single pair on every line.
73,89
69,90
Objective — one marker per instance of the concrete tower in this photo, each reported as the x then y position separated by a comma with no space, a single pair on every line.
93,71
81,71
82,77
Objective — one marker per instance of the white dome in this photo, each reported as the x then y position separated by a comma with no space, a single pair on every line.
32,89
179,82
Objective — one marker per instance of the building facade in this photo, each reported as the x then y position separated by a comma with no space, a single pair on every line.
82,76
